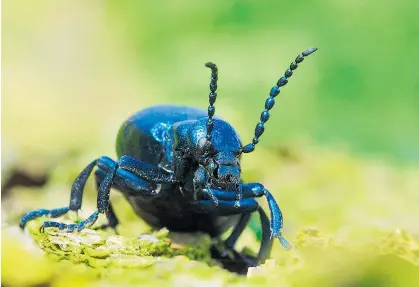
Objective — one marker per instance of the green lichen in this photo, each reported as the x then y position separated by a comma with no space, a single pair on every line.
322,260
99,248
113,258
352,242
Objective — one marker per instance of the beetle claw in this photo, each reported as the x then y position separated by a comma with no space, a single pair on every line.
284,243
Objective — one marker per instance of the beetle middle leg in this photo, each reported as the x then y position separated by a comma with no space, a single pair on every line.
113,173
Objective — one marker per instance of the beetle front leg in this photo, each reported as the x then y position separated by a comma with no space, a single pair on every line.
228,203
75,198
228,206
252,190
225,207
102,206
109,173
276,223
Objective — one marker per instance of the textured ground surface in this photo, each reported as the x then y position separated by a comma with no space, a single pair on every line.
351,223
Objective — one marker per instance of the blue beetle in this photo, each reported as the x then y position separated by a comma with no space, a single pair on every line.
179,167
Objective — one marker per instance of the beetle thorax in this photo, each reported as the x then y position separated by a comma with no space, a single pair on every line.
222,138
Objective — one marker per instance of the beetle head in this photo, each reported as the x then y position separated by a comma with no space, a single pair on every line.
219,154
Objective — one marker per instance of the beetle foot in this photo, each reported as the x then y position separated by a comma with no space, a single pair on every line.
71,227
42,212
232,260
287,246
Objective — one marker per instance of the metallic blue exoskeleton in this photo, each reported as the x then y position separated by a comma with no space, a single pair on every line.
179,167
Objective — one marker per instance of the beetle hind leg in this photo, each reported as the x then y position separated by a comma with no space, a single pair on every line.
234,261
231,259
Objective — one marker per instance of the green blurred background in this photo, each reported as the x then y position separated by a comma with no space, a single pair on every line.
74,70
341,149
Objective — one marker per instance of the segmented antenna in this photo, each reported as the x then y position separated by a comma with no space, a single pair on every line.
212,98
270,102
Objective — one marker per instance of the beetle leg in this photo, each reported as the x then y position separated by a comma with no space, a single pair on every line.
77,188
110,214
42,212
208,192
237,262
267,241
266,244
126,181
110,174
112,220
252,190
232,260
247,191
237,231
239,195
276,214
199,182
145,171
71,227
102,206
225,207
75,198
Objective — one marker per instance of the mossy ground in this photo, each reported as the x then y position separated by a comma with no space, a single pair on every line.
352,223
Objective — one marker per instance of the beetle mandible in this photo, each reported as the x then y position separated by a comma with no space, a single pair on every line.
179,167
